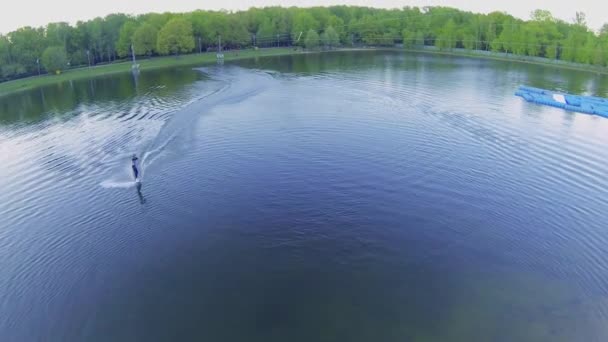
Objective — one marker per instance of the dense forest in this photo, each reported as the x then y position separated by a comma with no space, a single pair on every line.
30,51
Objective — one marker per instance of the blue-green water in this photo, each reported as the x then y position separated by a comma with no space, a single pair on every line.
352,196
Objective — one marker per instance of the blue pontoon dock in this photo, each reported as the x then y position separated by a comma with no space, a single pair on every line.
574,103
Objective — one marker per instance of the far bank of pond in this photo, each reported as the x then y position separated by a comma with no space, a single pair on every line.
144,64
210,57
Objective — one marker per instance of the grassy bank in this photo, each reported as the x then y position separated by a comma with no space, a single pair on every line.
145,64
512,58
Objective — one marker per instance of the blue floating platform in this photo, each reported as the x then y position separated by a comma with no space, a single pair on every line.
575,103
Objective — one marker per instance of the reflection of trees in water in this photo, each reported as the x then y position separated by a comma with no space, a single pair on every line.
310,63
135,73
600,86
42,99
571,81
63,98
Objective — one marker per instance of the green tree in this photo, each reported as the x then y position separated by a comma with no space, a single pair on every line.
409,38
253,18
603,47
312,39
209,26
580,19
96,40
447,36
511,38
144,39
370,30
584,54
569,47
551,51
111,26
598,56
302,22
419,38
469,41
79,43
265,35
577,45
27,45
236,35
5,45
536,39
541,15
125,38
8,68
158,20
54,59
330,37
57,34
175,37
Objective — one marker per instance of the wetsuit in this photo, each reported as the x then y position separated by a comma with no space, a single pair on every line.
134,166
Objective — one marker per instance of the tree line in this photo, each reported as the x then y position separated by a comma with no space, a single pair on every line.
30,51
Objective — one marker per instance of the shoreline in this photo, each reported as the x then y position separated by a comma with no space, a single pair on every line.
15,86
23,84
515,59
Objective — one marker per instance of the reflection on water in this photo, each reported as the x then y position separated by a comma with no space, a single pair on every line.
565,80
349,196
142,199
64,98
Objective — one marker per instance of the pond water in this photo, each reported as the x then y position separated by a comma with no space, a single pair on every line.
345,196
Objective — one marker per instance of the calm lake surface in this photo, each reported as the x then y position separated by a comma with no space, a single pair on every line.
348,196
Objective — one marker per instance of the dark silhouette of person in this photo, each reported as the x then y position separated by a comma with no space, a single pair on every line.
134,160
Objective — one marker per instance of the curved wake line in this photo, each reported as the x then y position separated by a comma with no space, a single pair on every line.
235,85
149,157
153,151
108,184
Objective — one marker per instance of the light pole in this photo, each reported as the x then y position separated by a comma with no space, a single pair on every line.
133,54
38,62
89,58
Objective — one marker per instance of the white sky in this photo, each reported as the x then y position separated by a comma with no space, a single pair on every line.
18,13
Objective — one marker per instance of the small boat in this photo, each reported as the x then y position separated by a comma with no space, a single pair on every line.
575,103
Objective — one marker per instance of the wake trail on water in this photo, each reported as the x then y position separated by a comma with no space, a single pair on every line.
121,185
228,85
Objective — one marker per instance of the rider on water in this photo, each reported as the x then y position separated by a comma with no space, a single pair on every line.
134,166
